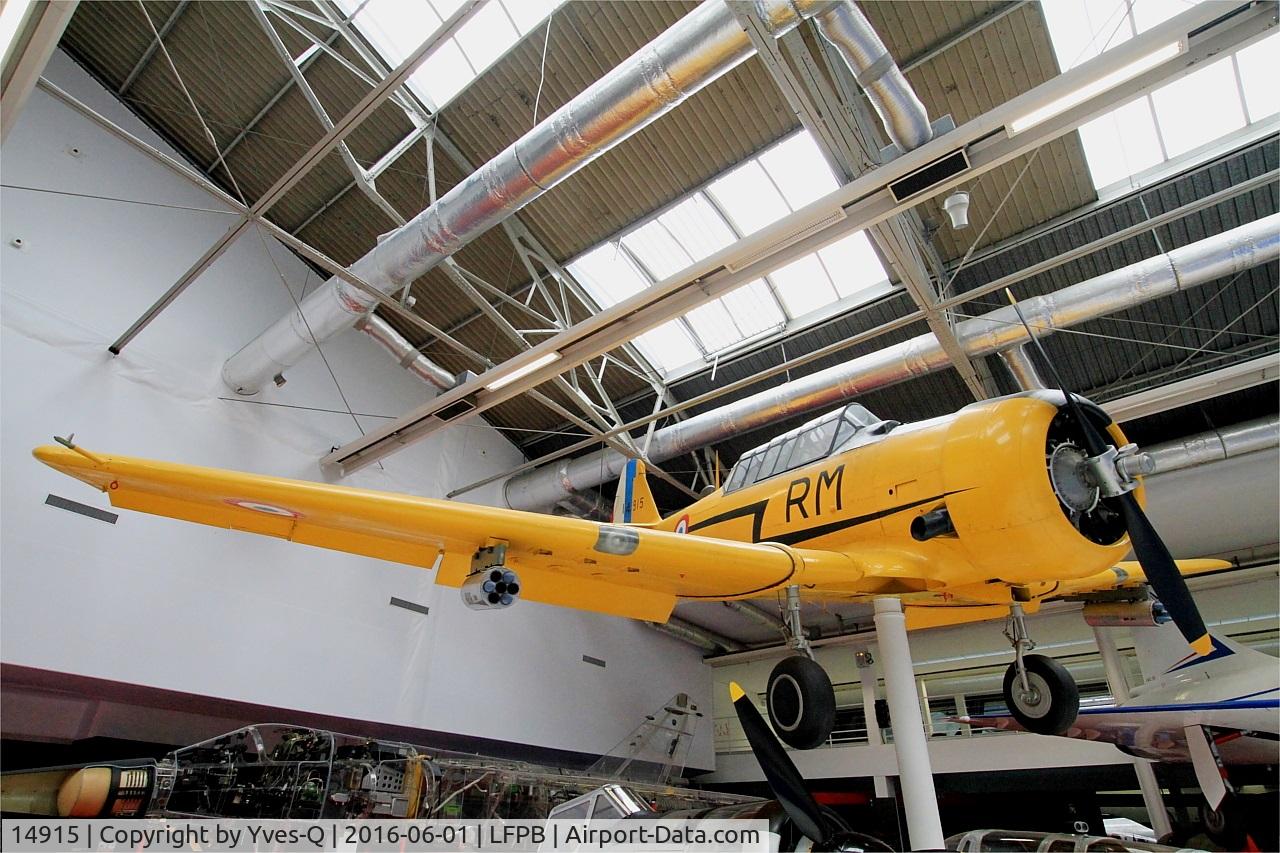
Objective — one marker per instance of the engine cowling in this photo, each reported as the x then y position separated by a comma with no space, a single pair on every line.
1014,513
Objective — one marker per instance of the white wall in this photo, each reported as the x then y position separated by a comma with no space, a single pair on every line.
160,603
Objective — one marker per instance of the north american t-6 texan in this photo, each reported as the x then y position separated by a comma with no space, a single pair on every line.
986,512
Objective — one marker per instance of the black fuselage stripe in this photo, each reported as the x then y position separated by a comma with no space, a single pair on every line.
823,529
757,510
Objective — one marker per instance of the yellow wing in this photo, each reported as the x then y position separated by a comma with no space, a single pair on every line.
614,569
1124,575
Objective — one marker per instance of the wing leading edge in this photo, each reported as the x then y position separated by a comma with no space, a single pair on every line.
613,569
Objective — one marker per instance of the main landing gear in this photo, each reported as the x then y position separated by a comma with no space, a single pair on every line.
800,699
1040,693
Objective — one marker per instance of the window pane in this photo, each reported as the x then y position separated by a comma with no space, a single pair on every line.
1149,13
487,35
1081,30
700,230
714,326
1199,108
798,168
444,74
657,250
813,444
770,461
395,29
529,13
753,308
1259,71
853,264
784,458
1121,143
749,198
444,8
608,275
668,346
803,286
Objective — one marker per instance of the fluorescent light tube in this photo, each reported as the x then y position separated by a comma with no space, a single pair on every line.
521,372
1109,81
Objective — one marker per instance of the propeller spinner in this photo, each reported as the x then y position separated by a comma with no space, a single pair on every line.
1112,471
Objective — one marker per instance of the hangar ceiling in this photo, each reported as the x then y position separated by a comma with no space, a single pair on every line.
209,78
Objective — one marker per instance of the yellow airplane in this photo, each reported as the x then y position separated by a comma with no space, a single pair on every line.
984,513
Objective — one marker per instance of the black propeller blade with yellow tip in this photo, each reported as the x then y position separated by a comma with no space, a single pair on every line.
823,827
785,780
1158,564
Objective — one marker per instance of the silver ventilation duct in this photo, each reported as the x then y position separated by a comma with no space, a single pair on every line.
405,353
697,636
1216,445
1189,266
699,48
905,119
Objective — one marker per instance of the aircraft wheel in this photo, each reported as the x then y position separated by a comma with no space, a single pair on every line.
1226,824
1054,701
801,702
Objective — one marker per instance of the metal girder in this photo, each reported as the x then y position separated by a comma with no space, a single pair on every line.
333,267
959,36
152,48
266,108
321,149
848,140
1229,382
517,232
358,174
987,140
32,42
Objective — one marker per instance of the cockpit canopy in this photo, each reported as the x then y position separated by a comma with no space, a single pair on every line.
817,439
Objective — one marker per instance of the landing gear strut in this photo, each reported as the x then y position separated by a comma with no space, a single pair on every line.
1039,691
800,699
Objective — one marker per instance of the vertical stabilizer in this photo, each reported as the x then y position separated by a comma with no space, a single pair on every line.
1161,650
634,503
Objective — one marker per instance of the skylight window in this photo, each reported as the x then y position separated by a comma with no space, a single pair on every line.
397,28
1221,98
739,202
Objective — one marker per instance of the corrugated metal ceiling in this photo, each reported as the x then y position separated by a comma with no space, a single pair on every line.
231,72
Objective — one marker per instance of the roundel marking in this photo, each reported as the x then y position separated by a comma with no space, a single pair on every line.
682,526
267,509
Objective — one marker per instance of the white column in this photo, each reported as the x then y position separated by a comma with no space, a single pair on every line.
1152,796
920,801
867,679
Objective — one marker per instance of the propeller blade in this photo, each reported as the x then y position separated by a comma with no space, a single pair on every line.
1163,575
1093,442
1161,571
783,777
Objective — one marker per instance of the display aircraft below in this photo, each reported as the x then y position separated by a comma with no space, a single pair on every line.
1222,709
986,512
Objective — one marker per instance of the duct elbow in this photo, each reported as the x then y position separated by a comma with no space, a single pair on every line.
905,119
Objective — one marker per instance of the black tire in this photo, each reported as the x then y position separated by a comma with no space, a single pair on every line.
801,702
1226,824
1056,698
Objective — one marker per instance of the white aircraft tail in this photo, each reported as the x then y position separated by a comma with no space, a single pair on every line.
1163,650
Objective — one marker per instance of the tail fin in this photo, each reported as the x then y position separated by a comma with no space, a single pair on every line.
1161,650
634,503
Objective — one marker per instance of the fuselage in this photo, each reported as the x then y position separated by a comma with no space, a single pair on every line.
985,464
